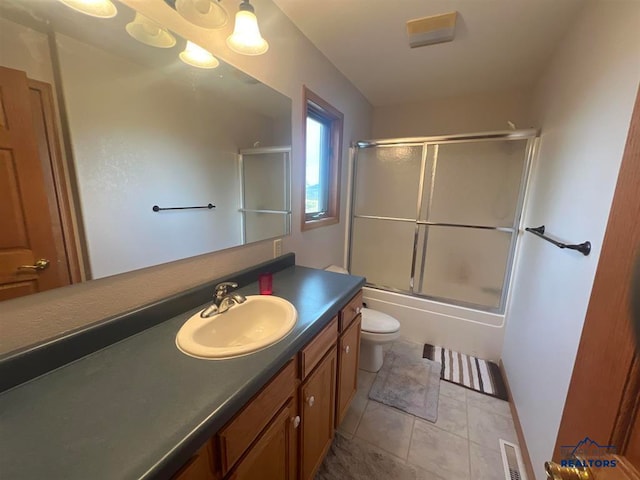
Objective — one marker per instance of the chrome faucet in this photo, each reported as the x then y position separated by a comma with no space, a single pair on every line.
223,300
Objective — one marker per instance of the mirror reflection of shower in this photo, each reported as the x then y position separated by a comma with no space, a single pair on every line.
438,217
265,182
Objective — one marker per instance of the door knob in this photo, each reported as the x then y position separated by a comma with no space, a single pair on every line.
311,400
296,421
556,472
347,349
40,264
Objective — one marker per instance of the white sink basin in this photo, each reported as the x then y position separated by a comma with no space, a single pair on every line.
257,323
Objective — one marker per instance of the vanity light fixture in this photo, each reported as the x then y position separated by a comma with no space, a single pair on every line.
246,38
203,13
149,32
94,8
196,56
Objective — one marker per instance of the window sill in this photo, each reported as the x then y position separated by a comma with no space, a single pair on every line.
321,222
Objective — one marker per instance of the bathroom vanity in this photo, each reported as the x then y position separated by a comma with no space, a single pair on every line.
139,408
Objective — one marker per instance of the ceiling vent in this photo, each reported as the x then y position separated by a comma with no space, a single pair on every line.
430,30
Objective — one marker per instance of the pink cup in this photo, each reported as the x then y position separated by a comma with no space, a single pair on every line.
265,283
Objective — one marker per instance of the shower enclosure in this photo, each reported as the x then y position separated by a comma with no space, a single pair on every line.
438,217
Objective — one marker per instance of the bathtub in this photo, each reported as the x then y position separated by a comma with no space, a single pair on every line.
426,321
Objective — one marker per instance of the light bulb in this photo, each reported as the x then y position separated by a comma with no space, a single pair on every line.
94,8
246,38
203,13
149,32
196,56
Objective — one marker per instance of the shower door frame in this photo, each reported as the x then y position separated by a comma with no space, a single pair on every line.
531,135
286,151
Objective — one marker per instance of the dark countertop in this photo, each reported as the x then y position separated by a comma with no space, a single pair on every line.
139,408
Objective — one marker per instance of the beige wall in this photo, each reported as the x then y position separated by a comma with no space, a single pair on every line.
290,62
583,103
30,54
463,114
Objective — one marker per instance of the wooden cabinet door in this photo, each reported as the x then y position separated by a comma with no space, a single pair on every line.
317,400
200,467
274,455
348,355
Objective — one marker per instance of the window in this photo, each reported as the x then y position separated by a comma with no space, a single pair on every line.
323,149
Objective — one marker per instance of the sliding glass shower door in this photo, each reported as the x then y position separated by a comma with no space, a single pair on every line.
265,182
439,217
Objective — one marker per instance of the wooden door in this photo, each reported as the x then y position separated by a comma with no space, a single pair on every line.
348,355
603,401
318,397
274,455
27,233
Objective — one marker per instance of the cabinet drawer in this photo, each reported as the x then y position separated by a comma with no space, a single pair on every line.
237,435
311,355
350,311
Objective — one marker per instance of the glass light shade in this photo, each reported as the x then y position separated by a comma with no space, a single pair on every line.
94,8
203,13
196,56
150,33
246,38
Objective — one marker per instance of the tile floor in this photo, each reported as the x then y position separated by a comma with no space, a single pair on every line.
461,445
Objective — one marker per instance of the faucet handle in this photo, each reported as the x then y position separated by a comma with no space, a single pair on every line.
223,288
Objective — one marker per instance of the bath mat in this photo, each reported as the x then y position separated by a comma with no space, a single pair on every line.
470,372
355,460
408,382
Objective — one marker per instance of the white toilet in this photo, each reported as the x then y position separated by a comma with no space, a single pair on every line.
377,330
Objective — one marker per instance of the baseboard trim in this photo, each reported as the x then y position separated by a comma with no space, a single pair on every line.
516,421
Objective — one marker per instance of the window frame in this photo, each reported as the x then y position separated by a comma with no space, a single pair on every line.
323,111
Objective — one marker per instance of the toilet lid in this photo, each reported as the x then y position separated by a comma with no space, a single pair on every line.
377,322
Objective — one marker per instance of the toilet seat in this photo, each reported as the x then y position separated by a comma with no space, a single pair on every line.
374,321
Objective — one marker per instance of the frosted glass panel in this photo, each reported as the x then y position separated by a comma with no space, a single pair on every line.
382,251
465,264
387,181
260,226
478,183
265,181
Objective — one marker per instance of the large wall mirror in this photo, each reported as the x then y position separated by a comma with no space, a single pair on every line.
126,126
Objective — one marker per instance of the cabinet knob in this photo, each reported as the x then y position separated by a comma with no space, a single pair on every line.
347,349
296,421
358,310
311,400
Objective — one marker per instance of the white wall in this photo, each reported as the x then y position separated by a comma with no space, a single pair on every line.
463,114
290,62
583,103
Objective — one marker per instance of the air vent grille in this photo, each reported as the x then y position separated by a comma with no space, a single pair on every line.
512,461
